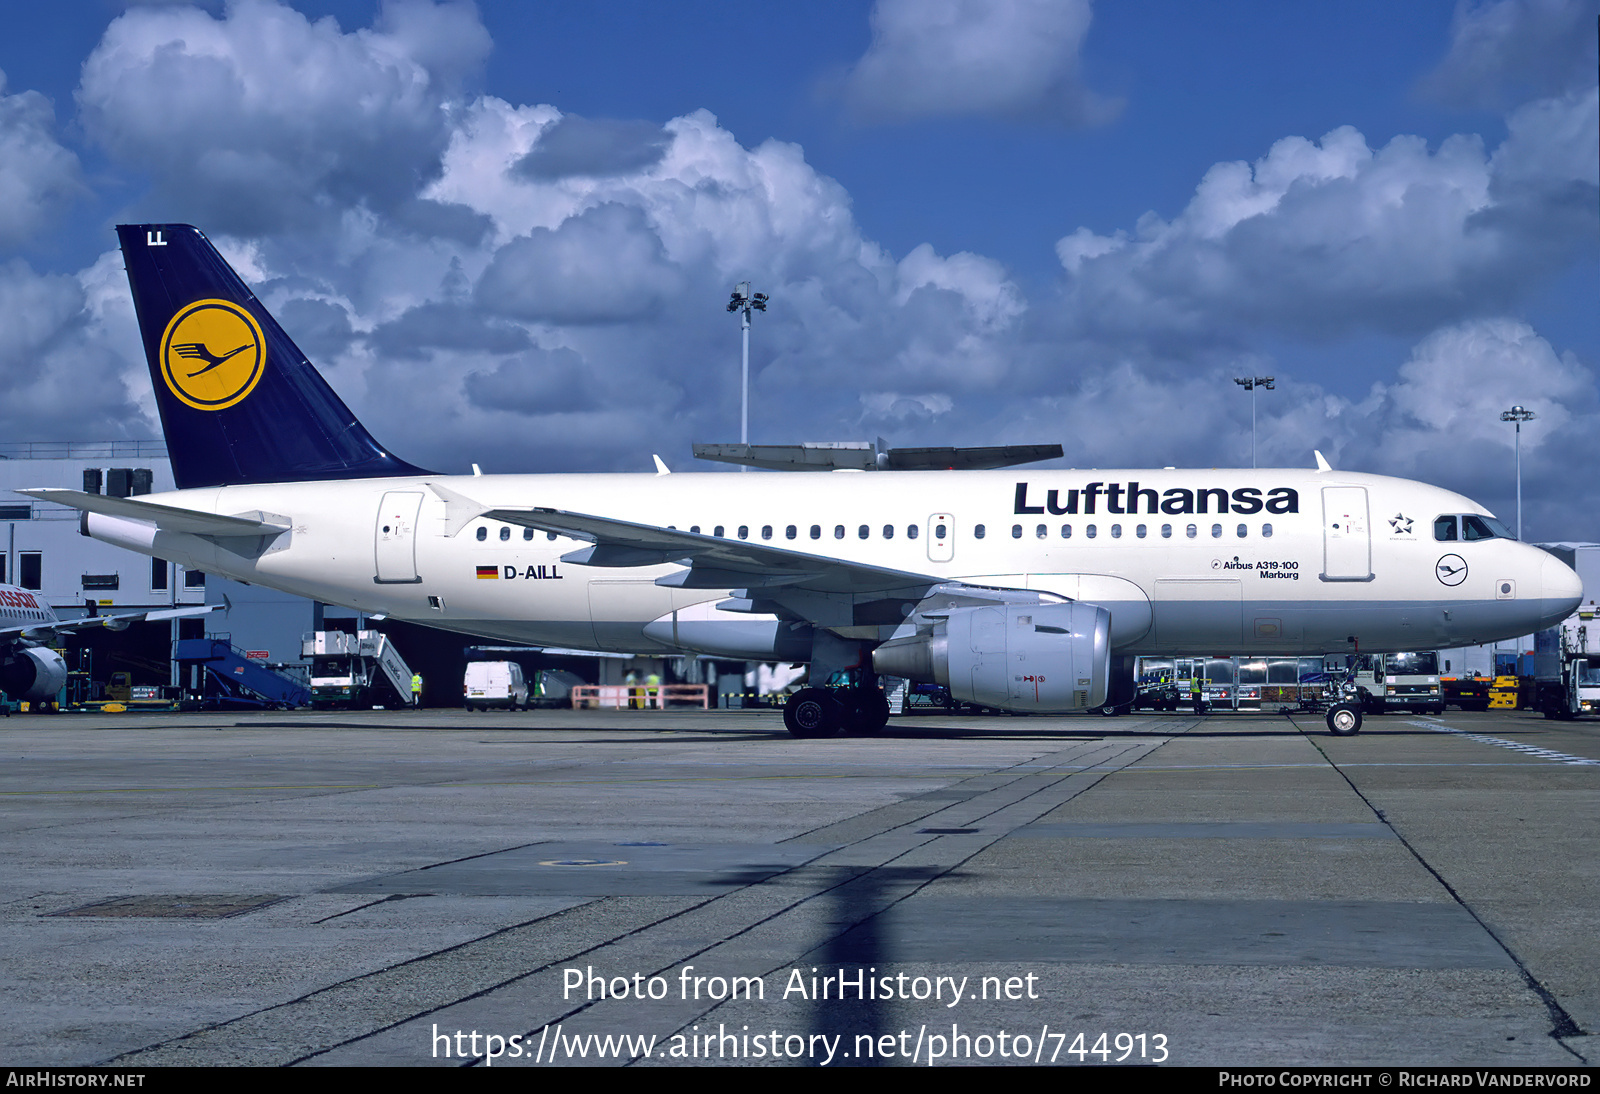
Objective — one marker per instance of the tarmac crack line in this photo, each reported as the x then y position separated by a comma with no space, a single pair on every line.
1564,1025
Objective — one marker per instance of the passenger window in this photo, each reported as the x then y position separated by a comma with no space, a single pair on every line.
979,531
911,531
744,531
1090,531
717,531
694,528
816,531
1444,528
1166,531
1016,531
527,533
1041,532
790,532
888,531
505,534
940,532
1243,531
863,532
1216,531
1139,531
483,533
1192,531
766,531
1116,531
1266,531
838,531
550,536
1066,531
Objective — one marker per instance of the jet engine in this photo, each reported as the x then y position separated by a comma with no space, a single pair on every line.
1024,657
34,673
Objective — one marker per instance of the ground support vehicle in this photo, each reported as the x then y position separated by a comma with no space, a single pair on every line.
1573,689
494,684
356,671
1399,682
1466,692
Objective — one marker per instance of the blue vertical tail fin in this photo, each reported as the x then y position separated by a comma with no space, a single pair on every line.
239,402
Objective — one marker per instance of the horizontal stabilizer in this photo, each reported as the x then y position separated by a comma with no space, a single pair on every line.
168,518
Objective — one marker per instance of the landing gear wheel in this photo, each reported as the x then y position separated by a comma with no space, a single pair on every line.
1344,719
869,715
811,713
1111,711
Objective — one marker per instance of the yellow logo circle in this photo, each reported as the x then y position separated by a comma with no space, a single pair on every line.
212,354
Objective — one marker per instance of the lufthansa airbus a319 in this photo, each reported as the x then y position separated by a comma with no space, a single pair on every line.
1023,591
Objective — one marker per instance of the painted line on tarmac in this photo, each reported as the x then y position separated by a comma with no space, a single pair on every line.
1515,746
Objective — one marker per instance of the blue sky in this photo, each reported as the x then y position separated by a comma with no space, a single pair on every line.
506,231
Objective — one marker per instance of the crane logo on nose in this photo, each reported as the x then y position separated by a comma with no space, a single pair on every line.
1451,569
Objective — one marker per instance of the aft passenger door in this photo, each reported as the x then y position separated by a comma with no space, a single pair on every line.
1346,534
395,536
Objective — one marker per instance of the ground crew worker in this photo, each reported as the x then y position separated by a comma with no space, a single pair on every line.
416,690
652,685
1197,693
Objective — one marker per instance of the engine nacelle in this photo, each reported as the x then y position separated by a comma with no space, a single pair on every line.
33,674
1024,657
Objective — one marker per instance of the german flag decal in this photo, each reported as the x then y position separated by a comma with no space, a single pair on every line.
490,572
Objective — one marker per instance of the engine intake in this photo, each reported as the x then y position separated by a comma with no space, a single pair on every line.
33,674
1023,657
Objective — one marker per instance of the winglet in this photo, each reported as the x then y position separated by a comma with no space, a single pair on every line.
661,467
1322,463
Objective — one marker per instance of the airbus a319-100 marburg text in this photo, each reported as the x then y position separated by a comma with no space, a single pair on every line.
1022,591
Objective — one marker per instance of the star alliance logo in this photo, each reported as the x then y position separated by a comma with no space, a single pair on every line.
1400,524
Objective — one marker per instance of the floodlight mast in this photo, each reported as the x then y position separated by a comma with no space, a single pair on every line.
1518,415
744,302
1250,383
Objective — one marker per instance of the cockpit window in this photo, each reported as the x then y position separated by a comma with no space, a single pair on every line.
1470,527
1474,527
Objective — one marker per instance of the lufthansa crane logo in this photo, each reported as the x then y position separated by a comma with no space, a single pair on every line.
212,354
1451,569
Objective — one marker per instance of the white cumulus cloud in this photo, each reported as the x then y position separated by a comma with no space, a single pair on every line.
261,118
38,177
963,58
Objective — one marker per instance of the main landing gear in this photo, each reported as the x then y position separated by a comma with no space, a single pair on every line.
827,712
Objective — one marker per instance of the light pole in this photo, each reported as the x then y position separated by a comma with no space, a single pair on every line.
1250,383
1518,415
744,303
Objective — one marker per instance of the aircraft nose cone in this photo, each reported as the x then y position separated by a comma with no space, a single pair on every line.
1561,590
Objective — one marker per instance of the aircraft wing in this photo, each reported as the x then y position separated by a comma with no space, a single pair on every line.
169,518
714,562
114,622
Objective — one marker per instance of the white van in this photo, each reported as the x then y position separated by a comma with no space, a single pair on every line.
494,684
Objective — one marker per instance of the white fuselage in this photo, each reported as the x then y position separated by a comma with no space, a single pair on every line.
1229,561
20,608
